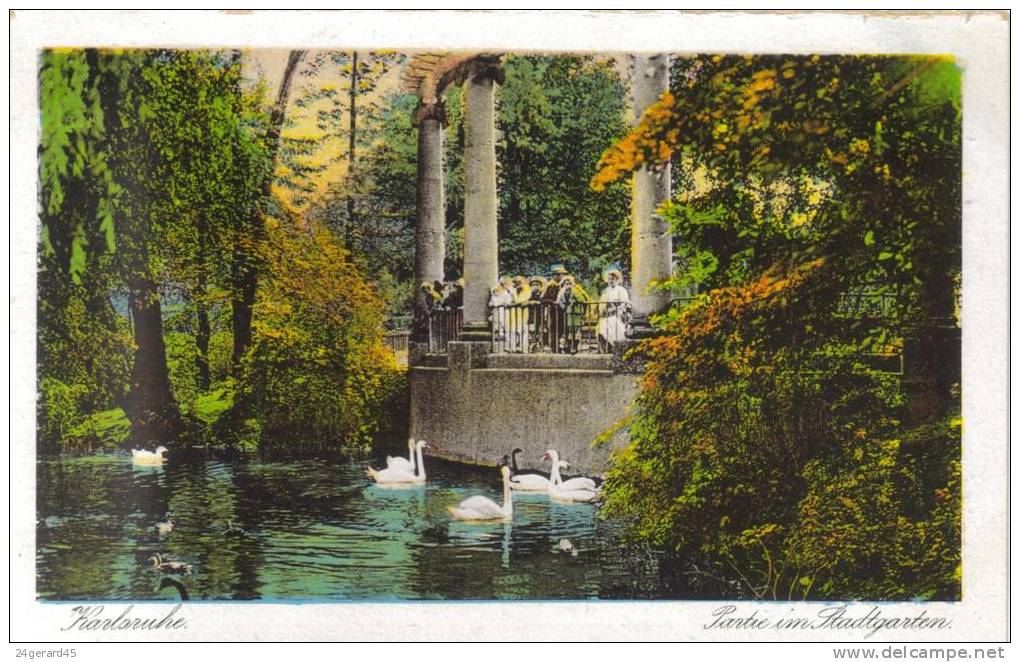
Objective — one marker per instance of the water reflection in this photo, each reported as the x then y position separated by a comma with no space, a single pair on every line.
315,530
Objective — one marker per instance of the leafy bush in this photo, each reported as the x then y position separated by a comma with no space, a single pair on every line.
765,448
209,407
784,479
59,409
105,430
181,361
317,373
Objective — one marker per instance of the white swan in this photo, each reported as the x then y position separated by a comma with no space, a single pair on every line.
390,476
526,482
578,483
574,490
400,463
479,508
149,457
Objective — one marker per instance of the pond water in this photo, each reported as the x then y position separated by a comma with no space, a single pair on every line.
316,531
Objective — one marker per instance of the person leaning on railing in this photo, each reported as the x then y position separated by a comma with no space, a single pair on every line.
499,299
520,336
538,321
455,297
432,297
569,295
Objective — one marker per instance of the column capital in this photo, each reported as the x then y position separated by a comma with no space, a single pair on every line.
483,67
434,110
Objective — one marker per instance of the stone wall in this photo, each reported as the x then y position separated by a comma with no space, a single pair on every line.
479,406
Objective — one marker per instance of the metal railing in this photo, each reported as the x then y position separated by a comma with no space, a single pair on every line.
444,326
857,303
396,342
865,304
546,327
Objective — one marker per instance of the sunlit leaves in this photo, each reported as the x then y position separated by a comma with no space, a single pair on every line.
764,437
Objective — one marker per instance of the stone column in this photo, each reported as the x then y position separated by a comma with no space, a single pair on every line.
651,246
481,247
430,234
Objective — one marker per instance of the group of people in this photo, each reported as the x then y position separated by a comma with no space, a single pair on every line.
441,295
539,313
555,310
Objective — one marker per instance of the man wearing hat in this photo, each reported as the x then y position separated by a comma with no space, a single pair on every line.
456,297
615,309
539,323
552,290
555,319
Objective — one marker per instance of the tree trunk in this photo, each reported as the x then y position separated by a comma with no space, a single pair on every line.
244,265
151,406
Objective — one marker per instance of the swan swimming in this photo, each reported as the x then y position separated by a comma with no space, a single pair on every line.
575,490
578,483
402,464
139,456
392,476
481,509
526,482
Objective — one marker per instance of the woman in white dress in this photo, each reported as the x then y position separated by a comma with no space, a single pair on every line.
616,311
499,299
520,337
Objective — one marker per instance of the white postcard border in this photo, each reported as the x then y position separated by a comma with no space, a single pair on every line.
980,42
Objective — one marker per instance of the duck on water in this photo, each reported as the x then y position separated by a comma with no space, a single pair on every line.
166,565
149,458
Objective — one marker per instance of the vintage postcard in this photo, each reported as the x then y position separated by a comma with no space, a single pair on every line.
446,325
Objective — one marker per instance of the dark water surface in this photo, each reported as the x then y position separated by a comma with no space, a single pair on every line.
315,530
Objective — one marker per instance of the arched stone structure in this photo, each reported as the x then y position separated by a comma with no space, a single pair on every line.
469,401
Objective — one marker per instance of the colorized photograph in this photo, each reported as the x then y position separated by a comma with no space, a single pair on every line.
324,326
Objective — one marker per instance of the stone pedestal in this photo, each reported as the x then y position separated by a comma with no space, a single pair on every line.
481,247
471,411
430,233
416,352
466,355
651,237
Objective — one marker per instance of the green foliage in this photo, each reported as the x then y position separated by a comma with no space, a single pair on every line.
151,166
386,196
209,407
181,355
59,408
169,148
104,430
878,519
341,93
318,375
556,116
